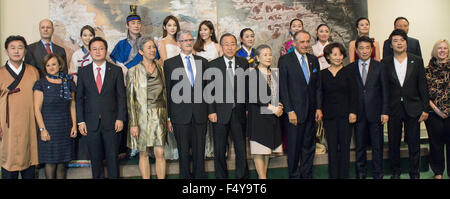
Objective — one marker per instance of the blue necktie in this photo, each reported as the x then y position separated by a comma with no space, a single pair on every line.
305,69
189,67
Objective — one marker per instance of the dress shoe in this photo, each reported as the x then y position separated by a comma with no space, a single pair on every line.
361,176
395,176
414,177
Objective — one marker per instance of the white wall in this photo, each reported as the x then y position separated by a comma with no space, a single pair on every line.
428,20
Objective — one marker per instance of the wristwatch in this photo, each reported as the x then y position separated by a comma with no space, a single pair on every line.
41,129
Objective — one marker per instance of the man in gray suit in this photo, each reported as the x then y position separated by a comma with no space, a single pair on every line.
38,50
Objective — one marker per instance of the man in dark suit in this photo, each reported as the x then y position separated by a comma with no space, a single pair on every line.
186,107
299,91
373,108
413,44
408,102
38,50
228,114
101,100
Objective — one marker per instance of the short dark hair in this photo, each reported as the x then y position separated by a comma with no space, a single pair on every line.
15,38
363,39
360,19
87,27
398,32
60,60
400,18
329,49
301,31
133,17
227,35
98,39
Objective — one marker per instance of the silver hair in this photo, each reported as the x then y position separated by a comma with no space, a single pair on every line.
183,32
143,40
258,51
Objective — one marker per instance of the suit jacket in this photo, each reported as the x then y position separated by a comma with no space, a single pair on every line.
224,109
374,95
109,105
414,91
295,94
36,53
413,47
182,112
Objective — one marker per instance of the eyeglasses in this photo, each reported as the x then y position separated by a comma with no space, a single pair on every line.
186,40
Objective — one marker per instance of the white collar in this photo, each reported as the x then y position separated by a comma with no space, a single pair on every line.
103,66
183,56
16,70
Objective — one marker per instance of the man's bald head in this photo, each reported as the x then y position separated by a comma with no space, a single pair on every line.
46,29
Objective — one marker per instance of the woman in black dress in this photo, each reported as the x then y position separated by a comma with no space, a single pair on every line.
54,107
264,111
338,105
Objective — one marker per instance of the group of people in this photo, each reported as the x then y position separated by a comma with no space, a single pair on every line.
154,92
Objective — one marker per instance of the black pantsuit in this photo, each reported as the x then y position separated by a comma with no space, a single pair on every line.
338,134
106,140
438,132
221,132
191,136
369,133
302,147
412,138
28,173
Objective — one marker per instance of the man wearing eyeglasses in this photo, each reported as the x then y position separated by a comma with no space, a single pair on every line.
186,107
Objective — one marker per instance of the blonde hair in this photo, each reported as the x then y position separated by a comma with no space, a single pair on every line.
434,52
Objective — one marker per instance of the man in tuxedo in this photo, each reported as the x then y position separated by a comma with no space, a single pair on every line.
228,114
101,100
187,110
408,102
373,108
38,50
299,91
413,44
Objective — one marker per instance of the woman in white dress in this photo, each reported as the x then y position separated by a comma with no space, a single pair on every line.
168,48
323,36
207,47
81,57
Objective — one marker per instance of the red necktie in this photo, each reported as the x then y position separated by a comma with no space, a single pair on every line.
99,80
47,48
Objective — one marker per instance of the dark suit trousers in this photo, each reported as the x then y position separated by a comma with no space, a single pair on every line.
28,173
301,147
365,131
104,144
191,136
412,138
220,145
338,133
438,132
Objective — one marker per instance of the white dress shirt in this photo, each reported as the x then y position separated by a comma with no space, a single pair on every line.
192,60
16,70
360,62
51,45
400,68
233,64
102,71
299,57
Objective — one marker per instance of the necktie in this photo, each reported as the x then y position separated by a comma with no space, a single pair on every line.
231,75
99,80
364,73
305,69
47,48
191,73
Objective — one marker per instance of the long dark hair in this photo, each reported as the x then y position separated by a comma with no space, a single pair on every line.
166,20
199,44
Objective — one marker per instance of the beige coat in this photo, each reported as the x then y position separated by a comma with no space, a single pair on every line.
136,82
19,143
